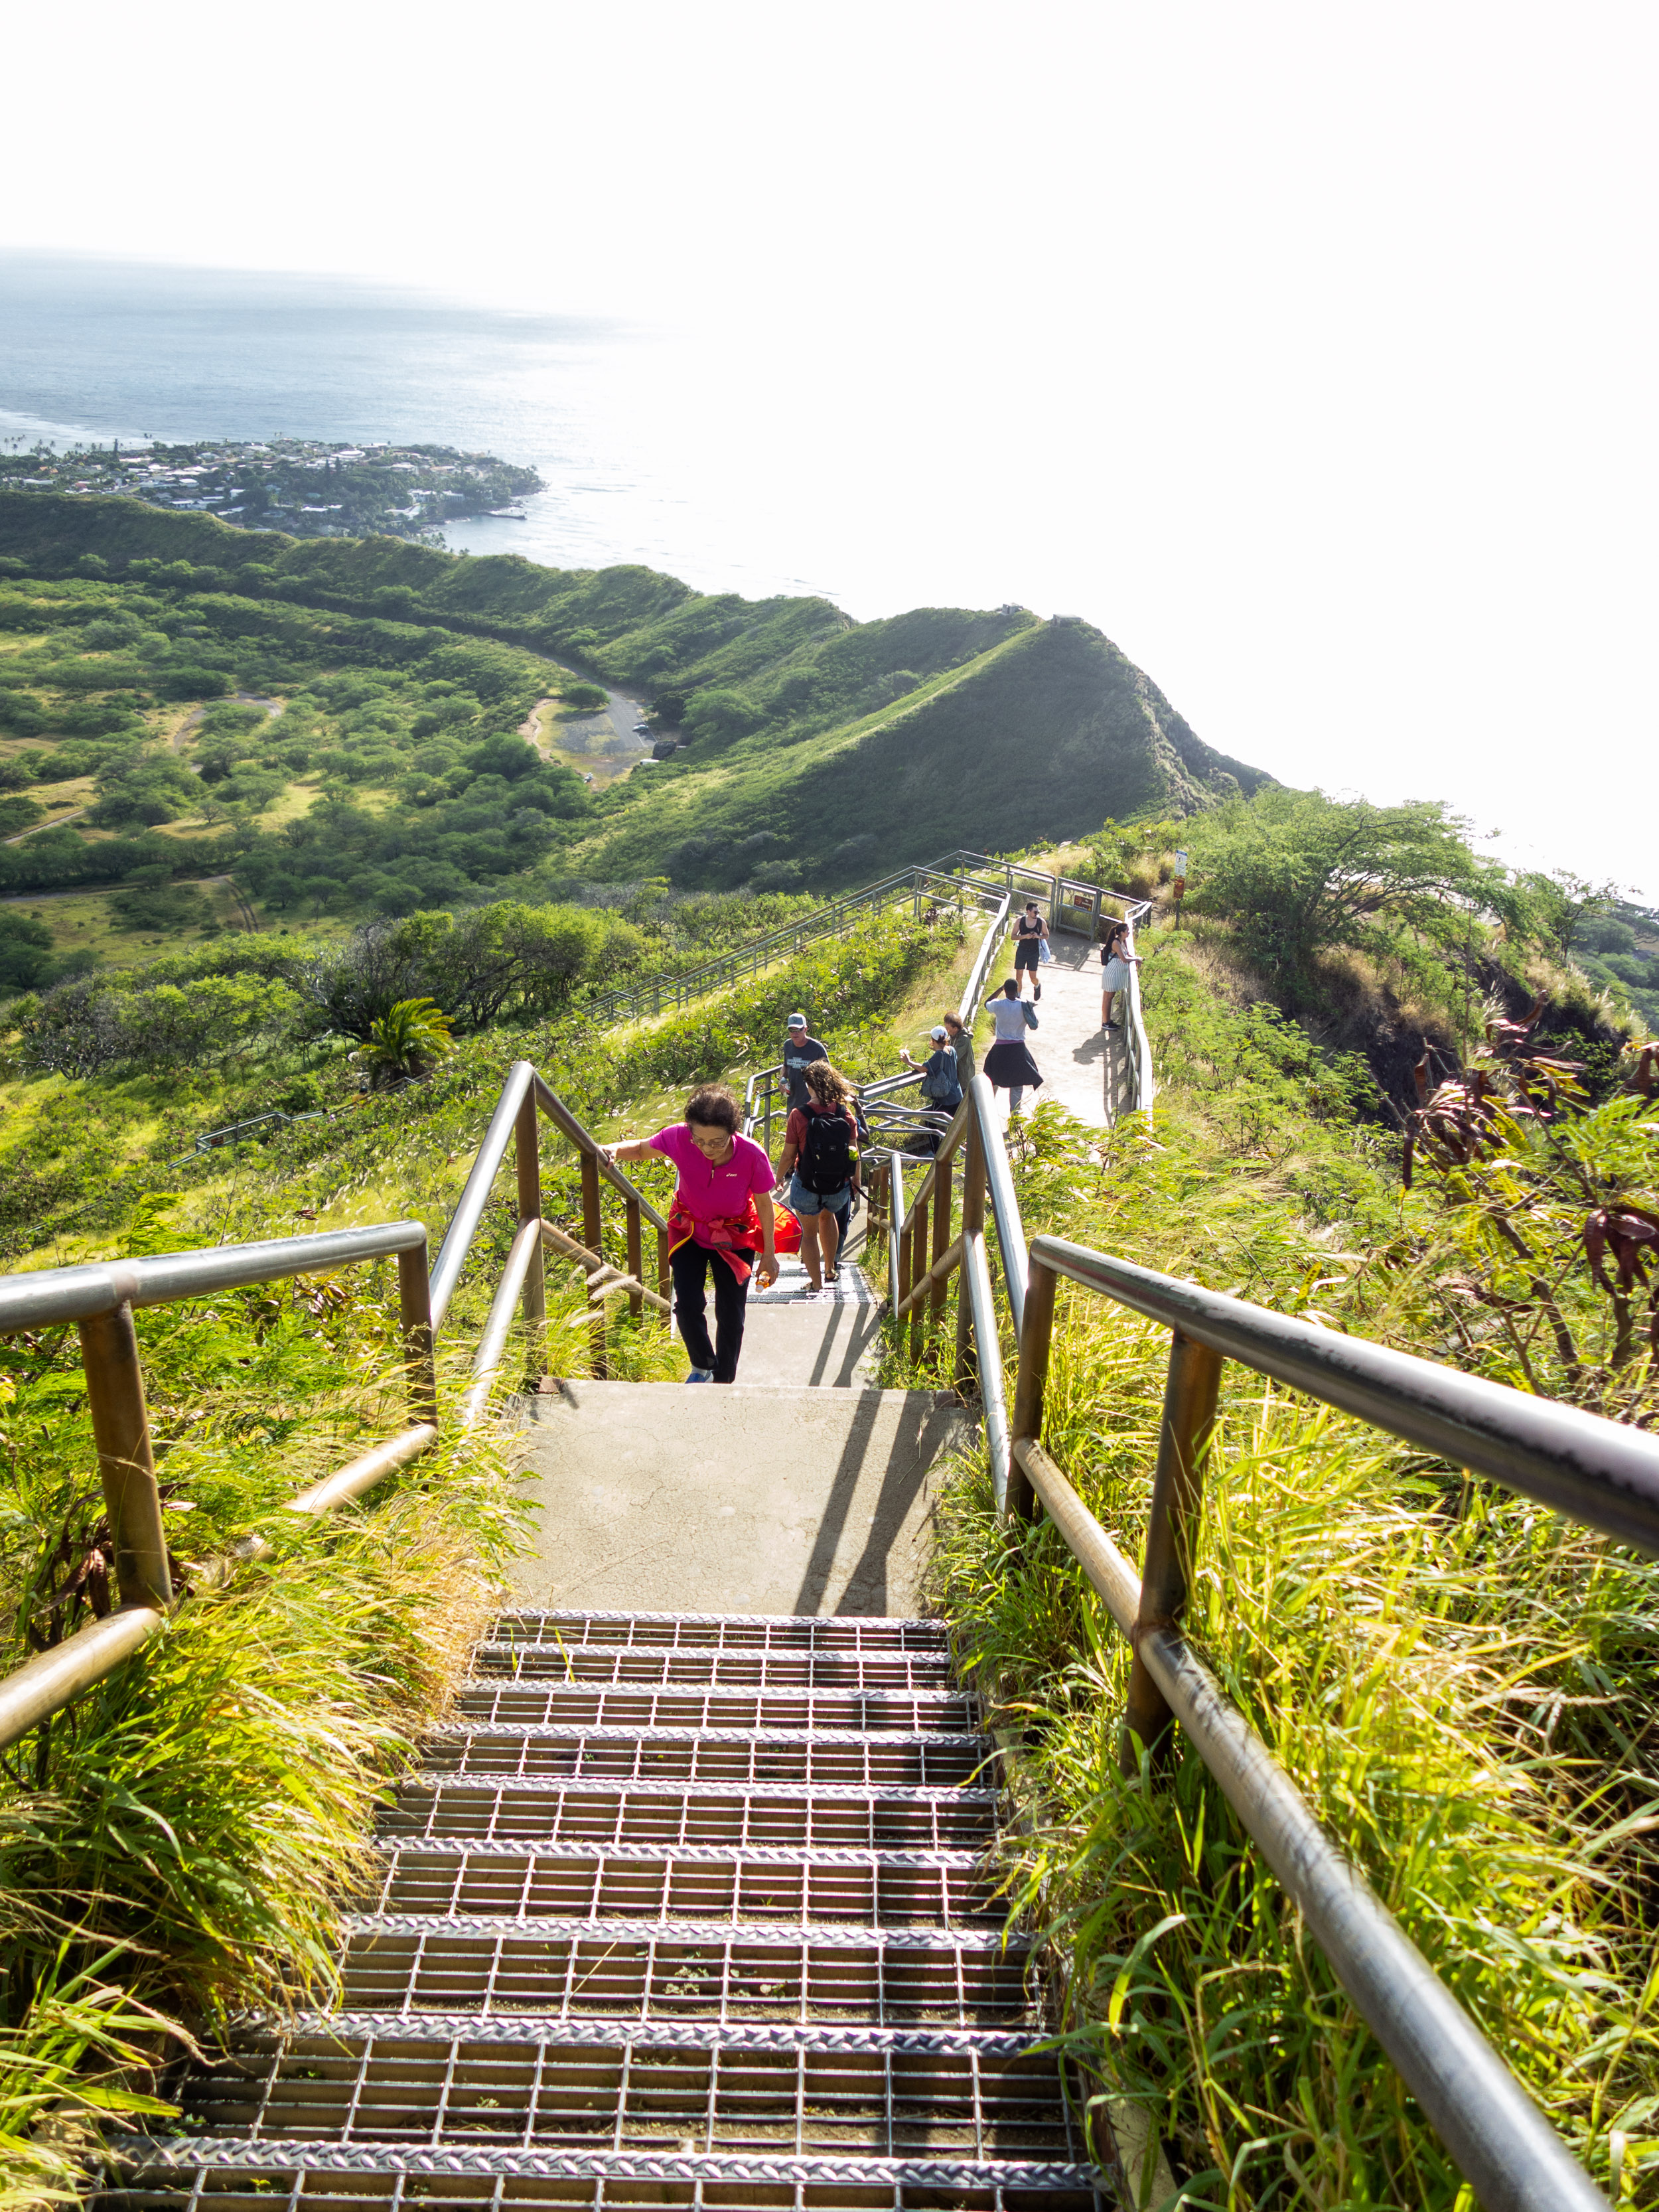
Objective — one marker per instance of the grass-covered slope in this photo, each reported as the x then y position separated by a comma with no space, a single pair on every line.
1038,738
810,744
179,1843
1459,1683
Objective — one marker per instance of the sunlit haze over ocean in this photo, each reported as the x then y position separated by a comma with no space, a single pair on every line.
1319,619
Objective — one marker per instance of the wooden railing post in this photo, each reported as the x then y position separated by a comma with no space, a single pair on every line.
121,1429
917,1240
415,1319
635,1257
1189,1403
527,1159
593,1229
664,1273
1034,1343
942,1179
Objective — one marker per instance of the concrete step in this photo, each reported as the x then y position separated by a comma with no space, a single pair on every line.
660,1498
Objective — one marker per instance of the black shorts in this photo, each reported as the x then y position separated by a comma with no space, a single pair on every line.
1028,950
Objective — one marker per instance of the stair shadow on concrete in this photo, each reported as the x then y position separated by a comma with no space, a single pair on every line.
660,1498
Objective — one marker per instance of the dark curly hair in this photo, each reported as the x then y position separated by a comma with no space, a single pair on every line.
713,1106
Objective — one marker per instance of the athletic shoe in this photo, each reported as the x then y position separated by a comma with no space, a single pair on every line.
1036,993
701,1374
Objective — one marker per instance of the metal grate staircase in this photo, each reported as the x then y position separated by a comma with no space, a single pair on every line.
682,1910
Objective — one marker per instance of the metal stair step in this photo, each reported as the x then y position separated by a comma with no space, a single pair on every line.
685,1911
559,1970
507,1700
698,2087
752,1884
242,2175
557,1808
870,1632
849,1757
893,1673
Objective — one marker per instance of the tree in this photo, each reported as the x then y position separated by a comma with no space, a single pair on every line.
1299,873
25,951
407,1040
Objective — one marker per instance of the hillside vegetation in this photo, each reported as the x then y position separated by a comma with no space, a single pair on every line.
810,747
1458,1682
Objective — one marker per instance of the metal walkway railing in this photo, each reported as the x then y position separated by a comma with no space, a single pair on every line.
991,886
1594,1471
101,1301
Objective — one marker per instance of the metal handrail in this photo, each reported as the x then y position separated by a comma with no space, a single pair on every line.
102,1299
1601,1473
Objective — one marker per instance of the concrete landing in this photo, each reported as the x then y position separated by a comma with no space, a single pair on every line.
812,1340
669,1497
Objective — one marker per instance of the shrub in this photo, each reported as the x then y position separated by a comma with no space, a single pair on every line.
409,1038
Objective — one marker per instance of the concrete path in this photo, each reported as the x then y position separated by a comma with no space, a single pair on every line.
801,1488
1085,1068
661,1497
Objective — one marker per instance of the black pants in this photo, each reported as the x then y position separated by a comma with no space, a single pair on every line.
691,1264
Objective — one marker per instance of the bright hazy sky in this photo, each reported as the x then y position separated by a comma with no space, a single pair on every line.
1307,349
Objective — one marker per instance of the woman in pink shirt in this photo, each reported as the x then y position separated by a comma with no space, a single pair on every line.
721,1218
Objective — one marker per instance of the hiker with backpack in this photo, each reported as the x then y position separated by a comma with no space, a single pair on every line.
820,1161
1009,1063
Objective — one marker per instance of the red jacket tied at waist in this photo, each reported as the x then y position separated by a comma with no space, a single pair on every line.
733,1236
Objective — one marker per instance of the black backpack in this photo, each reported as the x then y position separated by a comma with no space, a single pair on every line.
826,1159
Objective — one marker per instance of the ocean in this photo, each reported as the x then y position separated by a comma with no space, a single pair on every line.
93,351
1342,593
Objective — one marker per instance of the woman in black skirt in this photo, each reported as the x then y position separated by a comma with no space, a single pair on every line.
1009,1063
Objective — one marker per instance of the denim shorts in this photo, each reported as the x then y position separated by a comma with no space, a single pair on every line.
802,1201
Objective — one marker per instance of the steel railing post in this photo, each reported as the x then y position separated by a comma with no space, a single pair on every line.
414,1323
121,1429
635,1255
973,1224
1033,1342
527,1159
1188,1419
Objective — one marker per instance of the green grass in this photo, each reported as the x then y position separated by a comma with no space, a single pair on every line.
1457,1681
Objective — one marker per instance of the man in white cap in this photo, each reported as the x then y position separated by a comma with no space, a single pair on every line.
799,1051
